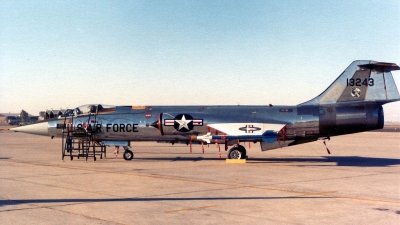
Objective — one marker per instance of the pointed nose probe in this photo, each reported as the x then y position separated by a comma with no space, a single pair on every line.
36,128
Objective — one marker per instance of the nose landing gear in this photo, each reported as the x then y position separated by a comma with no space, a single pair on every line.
128,154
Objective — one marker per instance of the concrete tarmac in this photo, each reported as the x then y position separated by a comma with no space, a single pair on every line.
359,183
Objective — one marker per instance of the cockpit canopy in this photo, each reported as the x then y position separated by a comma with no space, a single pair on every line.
90,109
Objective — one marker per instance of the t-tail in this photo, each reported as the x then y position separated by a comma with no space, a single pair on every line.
353,102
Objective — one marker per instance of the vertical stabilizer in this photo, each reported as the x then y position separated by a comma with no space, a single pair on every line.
362,81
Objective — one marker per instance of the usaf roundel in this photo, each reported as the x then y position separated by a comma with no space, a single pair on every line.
183,122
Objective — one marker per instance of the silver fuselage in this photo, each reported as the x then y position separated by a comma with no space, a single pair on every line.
148,123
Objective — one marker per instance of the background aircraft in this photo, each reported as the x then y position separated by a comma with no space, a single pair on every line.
352,103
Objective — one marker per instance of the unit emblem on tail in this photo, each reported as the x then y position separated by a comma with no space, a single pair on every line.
355,92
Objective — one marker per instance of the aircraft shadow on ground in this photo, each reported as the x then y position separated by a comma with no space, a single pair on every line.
356,161
338,160
92,200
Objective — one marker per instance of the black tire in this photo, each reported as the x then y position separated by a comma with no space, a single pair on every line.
128,155
234,153
243,151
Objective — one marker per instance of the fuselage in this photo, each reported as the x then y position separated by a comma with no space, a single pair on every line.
157,123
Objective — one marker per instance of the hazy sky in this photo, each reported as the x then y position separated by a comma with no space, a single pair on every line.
59,54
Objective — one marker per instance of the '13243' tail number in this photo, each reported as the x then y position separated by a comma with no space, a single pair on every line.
359,82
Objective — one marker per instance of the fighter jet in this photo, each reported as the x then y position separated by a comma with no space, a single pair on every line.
352,103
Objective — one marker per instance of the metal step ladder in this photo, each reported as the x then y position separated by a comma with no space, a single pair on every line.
78,142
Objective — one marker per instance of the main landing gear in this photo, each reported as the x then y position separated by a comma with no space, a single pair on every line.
237,152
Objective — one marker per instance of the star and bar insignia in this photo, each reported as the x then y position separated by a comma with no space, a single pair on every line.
183,122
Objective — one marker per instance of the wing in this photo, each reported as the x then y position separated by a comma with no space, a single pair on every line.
247,128
266,132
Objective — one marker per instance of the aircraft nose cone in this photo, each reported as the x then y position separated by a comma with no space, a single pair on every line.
36,128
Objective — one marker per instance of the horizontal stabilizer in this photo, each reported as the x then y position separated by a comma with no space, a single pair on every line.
381,66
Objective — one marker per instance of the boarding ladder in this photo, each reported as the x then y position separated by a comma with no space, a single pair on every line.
79,141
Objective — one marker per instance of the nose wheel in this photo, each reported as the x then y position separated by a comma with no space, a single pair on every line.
128,155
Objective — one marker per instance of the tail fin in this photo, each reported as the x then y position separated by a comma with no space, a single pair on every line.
362,81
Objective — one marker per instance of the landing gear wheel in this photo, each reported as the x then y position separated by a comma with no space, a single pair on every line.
237,152
234,153
128,155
